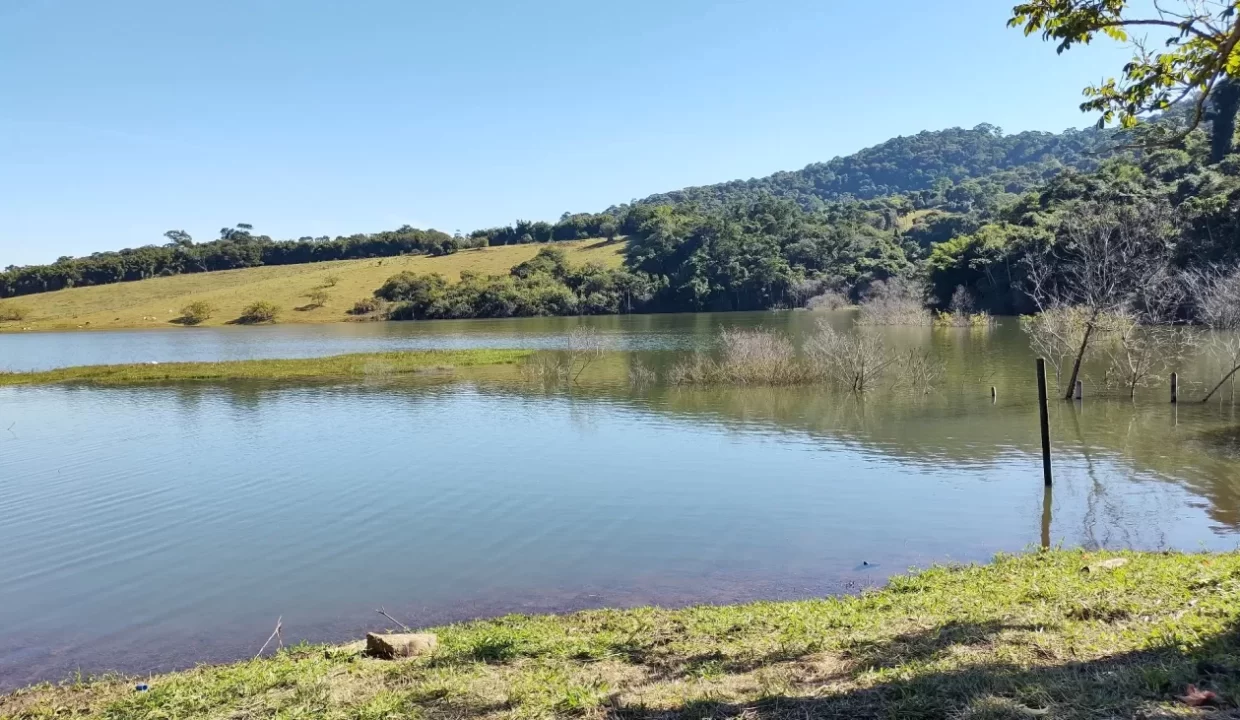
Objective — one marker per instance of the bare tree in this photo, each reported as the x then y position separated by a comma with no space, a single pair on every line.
1055,334
1140,353
585,345
895,301
1216,301
1106,261
918,371
1146,340
855,360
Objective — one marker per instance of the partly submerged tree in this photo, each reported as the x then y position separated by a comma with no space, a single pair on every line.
1216,292
1107,261
1199,56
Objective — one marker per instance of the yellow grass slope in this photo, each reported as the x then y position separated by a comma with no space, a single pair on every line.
157,302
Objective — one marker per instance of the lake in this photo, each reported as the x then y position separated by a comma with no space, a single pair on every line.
150,528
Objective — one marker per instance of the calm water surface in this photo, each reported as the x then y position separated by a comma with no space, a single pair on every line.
143,529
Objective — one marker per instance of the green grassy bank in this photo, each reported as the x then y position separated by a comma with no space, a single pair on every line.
1039,635
336,367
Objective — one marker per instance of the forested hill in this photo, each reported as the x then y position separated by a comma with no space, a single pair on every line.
750,244
915,163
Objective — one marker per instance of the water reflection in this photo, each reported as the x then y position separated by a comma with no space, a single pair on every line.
149,527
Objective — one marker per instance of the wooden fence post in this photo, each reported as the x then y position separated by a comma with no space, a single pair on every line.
1044,417
1047,501
1175,388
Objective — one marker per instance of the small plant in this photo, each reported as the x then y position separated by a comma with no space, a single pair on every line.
641,375
14,313
329,281
317,298
259,312
918,371
366,306
196,313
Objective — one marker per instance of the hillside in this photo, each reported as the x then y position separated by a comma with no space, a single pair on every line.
915,163
157,302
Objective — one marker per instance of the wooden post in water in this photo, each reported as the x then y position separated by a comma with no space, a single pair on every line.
1175,388
1045,418
994,395
1047,500
1079,392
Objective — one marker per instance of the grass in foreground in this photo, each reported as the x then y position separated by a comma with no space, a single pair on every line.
158,302
361,365
1027,636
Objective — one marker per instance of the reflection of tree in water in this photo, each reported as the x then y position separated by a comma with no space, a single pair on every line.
1098,497
956,426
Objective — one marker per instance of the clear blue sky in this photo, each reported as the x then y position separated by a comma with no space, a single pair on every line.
126,118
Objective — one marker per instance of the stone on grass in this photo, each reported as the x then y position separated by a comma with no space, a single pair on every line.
400,645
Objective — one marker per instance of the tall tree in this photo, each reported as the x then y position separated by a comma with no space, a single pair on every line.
179,238
1199,56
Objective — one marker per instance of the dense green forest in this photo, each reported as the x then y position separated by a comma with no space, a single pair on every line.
915,166
954,208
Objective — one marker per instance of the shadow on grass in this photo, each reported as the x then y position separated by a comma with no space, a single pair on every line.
891,680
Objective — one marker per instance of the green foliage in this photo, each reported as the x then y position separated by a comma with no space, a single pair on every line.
237,248
366,306
543,285
359,365
317,299
259,312
196,313
960,208
920,166
1049,634
1200,57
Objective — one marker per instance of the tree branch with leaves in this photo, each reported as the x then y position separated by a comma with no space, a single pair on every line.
1198,56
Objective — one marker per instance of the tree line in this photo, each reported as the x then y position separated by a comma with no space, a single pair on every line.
237,247
761,248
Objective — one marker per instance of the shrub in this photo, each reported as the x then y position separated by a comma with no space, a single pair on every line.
957,318
829,300
855,361
317,298
366,306
330,280
196,312
14,313
747,357
897,301
259,312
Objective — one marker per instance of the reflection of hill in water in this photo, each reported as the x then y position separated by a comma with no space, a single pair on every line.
1195,447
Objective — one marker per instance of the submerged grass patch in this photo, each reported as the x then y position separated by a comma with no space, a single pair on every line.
360,365
1038,635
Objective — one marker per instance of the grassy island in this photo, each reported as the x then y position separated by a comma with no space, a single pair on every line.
336,367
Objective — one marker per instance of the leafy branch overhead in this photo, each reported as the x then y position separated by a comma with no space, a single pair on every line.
1198,55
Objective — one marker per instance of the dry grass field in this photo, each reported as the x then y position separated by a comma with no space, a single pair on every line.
158,302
